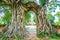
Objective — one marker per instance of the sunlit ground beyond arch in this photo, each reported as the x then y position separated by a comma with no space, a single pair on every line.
31,22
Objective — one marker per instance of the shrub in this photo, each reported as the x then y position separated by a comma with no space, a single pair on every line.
42,34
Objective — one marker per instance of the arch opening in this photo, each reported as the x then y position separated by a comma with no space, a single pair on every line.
31,20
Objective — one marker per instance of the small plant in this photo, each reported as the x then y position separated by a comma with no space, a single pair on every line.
18,37
42,34
4,37
54,35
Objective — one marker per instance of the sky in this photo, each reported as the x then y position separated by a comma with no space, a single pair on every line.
37,1
1,12
53,13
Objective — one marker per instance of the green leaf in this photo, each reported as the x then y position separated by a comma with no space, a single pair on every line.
58,14
42,2
50,17
26,1
28,16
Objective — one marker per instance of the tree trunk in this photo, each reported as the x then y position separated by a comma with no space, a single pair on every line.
17,25
17,22
43,22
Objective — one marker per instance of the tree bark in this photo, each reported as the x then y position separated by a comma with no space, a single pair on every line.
43,22
17,25
17,22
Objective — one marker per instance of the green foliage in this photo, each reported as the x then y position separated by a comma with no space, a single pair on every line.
42,34
34,18
42,2
52,6
1,2
58,14
50,17
4,37
55,35
25,1
1,21
18,37
7,17
28,16
57,23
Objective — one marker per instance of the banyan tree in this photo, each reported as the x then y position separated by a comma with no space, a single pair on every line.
19,10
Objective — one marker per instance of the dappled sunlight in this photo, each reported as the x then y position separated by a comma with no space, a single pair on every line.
31,29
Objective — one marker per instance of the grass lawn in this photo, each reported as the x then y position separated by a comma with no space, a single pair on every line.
54,38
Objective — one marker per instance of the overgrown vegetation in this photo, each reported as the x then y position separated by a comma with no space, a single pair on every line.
6,18
15,37
42,34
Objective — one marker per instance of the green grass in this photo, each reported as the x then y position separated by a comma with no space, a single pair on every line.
42,34
16,37
4,37
54,38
